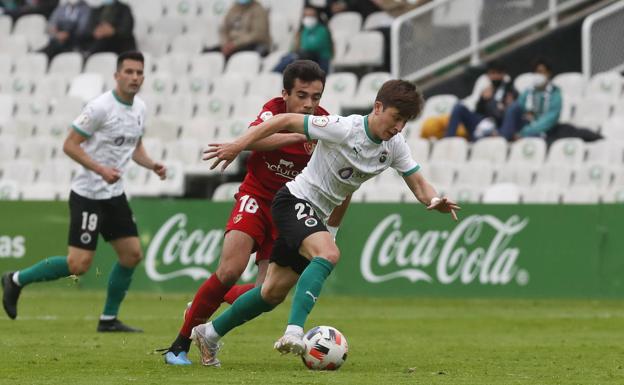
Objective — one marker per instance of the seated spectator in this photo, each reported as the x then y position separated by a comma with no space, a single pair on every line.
245,28
493,102
110,28
312,42
68,25
537,109
17,8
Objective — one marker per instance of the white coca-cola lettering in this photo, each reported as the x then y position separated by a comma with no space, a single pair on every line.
173,245
412,252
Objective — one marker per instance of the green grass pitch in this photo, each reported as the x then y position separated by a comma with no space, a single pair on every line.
391,341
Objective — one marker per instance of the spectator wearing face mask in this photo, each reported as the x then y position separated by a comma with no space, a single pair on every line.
537,110
245,28
490,108
110,28
68,24
312,42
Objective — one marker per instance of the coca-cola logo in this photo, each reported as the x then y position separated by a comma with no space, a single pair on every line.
443,256
176,251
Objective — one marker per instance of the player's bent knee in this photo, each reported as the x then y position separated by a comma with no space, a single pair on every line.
228,275
79,266
331,254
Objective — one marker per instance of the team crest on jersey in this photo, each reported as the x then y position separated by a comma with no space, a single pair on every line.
238,218
266,115
345,173
320,121
383,157
83,119
85,238
311,222
119,140
309,147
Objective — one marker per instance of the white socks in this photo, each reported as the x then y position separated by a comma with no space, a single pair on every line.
294,329
211,333
107,317
15,278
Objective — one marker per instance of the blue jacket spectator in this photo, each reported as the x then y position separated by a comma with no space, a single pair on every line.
68,25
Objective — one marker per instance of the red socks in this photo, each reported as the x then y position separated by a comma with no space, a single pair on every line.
236,291
207,300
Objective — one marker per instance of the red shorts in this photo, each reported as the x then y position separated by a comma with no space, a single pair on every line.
252,216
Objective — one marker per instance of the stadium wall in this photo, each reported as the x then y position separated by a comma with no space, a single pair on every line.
524,251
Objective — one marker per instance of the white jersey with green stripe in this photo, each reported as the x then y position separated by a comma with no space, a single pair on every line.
113,129
346,156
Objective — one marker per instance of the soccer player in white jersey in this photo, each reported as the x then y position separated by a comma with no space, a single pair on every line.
350,150
103,139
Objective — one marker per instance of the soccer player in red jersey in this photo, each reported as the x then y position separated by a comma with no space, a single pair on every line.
273,162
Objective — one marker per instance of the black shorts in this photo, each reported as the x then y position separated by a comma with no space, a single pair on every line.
88,217
295,221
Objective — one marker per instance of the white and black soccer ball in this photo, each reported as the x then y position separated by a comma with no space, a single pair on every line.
325,348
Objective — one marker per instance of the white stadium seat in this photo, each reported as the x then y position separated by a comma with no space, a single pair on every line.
474,174
502,193
439,105
592,112
559,174
9,190
349,23
572,84
367,90
245,63
230,87
268,85
541,194
225,192
6,23
209,64
607,84
597,175
32,63
86,86
14,44
528,150
580,195
202,130
189,43
452,149
103,63
613,128
568,151
341,84
489,149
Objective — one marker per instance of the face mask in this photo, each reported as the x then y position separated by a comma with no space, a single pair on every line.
539,80
309,21
243,2
496,83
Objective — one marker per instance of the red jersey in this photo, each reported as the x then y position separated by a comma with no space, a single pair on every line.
268,171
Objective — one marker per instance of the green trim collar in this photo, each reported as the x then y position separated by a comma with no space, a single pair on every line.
368,133
117,98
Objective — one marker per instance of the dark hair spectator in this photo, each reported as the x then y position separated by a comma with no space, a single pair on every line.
68,25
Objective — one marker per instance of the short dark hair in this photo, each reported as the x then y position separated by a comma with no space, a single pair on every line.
541,61
129,55
402,95
304,70
496,65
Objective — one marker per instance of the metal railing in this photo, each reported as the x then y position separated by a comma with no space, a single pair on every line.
445,32
602,35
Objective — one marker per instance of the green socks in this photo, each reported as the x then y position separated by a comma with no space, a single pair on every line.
308,289
247,307
118,284
47,270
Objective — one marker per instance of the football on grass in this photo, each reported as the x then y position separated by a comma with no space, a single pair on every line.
325,348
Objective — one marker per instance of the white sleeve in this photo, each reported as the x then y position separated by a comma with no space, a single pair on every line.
332,128
90,119
402,160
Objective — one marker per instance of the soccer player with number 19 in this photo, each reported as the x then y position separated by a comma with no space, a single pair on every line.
350,150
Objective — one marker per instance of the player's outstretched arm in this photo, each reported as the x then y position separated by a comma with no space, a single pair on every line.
141,157
276,141
428,196
72,148
227,152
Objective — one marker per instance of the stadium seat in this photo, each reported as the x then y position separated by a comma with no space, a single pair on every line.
332,104
360,49
154,148
489,149
597,175
20,128
40,191
376,20
187,151
268,85
52,86
30,107
7,106
68,64
214,107
345,23
439,105
54,127
605,84
180,107
147,10
613,195
559,174
246,63
103,63
202,130
367,90
569,151
341,84
174,184
272,59
163,128
160,83
190,43
171,26
6,65
456,13
524,81
34,28
384,193
20,170
14,44
194,85
6,23
541,194
613,128
469,193
38,150
528,150
572,84
441,174
209,64
225,192
474,174
291,9
609,150
592,112
67,106
183,9
8,147
157,44
229,87
86,86
419,149
35,64
501,193
249,107
9,190
174,63
19,83
231,129
580,195
135,180
282,32
452,149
